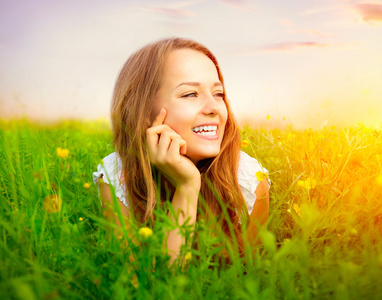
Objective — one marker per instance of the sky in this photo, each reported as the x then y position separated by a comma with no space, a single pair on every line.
304,62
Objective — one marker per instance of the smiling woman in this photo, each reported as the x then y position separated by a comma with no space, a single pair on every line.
196,110
190,136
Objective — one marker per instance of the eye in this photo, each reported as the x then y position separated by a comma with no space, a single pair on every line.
190,95
219,95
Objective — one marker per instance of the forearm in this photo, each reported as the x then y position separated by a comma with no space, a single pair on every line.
184,203
253,229
259,215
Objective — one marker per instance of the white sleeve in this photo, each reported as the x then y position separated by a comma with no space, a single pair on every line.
248,166
111,170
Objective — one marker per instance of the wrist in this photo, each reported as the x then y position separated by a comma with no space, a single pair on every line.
188,193
191,186
186,199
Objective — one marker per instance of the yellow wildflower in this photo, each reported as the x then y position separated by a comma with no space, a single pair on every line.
52,203
260,176
297,209
310,183
301,183
284,118
145,232
291,136
86,185
244,143
268,117
379,180
134,281
353,232
63,153
188,256
366,130
81,219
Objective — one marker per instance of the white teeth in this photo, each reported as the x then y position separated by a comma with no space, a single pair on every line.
206,129
207,133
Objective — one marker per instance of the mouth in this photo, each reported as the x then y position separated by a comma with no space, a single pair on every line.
206,130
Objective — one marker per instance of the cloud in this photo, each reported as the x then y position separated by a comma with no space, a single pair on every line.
175,9
180,27
316,11
313,32
278,47
370,12
289,46
239,4
291,28
172,12
286,23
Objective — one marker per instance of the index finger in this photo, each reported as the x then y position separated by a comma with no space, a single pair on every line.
160,117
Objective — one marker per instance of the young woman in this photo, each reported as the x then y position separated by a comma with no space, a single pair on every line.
170,116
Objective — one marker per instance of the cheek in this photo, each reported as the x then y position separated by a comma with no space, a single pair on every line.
224,113
180,117
176,121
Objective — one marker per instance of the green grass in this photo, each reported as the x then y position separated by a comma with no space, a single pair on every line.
321,243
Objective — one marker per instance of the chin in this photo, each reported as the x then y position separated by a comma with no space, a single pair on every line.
197,157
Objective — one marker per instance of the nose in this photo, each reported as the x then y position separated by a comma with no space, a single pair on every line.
210,105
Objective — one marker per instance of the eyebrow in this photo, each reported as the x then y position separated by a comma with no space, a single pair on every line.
197,84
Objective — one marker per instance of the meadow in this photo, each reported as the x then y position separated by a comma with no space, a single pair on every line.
323,239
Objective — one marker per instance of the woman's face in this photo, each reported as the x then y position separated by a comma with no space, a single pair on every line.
193,96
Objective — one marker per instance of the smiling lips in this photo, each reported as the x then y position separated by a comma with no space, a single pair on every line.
206,131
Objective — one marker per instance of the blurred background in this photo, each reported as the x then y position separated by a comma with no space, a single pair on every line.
309,63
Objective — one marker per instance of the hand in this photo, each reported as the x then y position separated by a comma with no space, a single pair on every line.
167,152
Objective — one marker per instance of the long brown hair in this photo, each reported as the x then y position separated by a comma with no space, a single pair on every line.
135,89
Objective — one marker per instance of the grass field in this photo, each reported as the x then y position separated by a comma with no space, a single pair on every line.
323,241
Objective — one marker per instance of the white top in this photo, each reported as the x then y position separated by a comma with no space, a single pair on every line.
111,169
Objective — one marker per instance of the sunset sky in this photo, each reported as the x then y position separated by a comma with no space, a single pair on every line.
312,62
